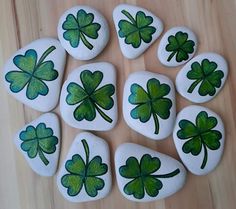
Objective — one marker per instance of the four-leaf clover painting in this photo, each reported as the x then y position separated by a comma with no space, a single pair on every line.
137,29
84,173
32,73
151,103
80,28
89,97
200,135
39,141
142,177
180,46
207,74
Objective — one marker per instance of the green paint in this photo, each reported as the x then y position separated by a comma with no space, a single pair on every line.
89,98
37,141
84,173
150,103
80,28
199,135
32,74
136,30
141,176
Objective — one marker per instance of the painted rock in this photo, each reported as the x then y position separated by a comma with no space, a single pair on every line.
202,78
177,46
149,104
137,28
39,142
145,175
199,138
83,32
88,97
34,73
85,174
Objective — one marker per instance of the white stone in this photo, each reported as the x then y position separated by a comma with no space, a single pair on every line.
78,114
162,53
88,46
27,86
148,127
98,152
207,157
132,51
159,164
44,161
203,89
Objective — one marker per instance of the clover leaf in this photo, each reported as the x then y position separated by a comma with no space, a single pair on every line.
37,141
136,30
207,74
199,135
142,176
84,173
79,28
180,46
89,98
150,103
32,74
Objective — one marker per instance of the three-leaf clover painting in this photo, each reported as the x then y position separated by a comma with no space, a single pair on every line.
90,99
142,178
33,73
135,30
200,135
152,102
38,141
84,173
179,46
207,75
80,28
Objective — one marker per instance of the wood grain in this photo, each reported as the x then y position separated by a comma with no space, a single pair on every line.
22,21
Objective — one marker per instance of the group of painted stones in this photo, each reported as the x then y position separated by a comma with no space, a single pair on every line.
33,75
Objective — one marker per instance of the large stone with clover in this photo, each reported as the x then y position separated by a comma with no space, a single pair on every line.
177,46
34,73
137,28
83,32
85,174
88,97
199,138
145,175
149,104
201,79
39,142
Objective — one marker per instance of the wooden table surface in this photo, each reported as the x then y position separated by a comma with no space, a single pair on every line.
214,22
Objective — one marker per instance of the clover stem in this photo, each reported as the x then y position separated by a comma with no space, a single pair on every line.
104,116
205,157
156,123
86,43
171,55
168,175
193,85
86,149
45,54
42,157
129,16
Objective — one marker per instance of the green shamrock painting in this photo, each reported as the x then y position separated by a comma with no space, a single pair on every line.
84,173
137,29
179,46
200,135
32,73
207,74
38,141
141,176
80,28
89,97
151,103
